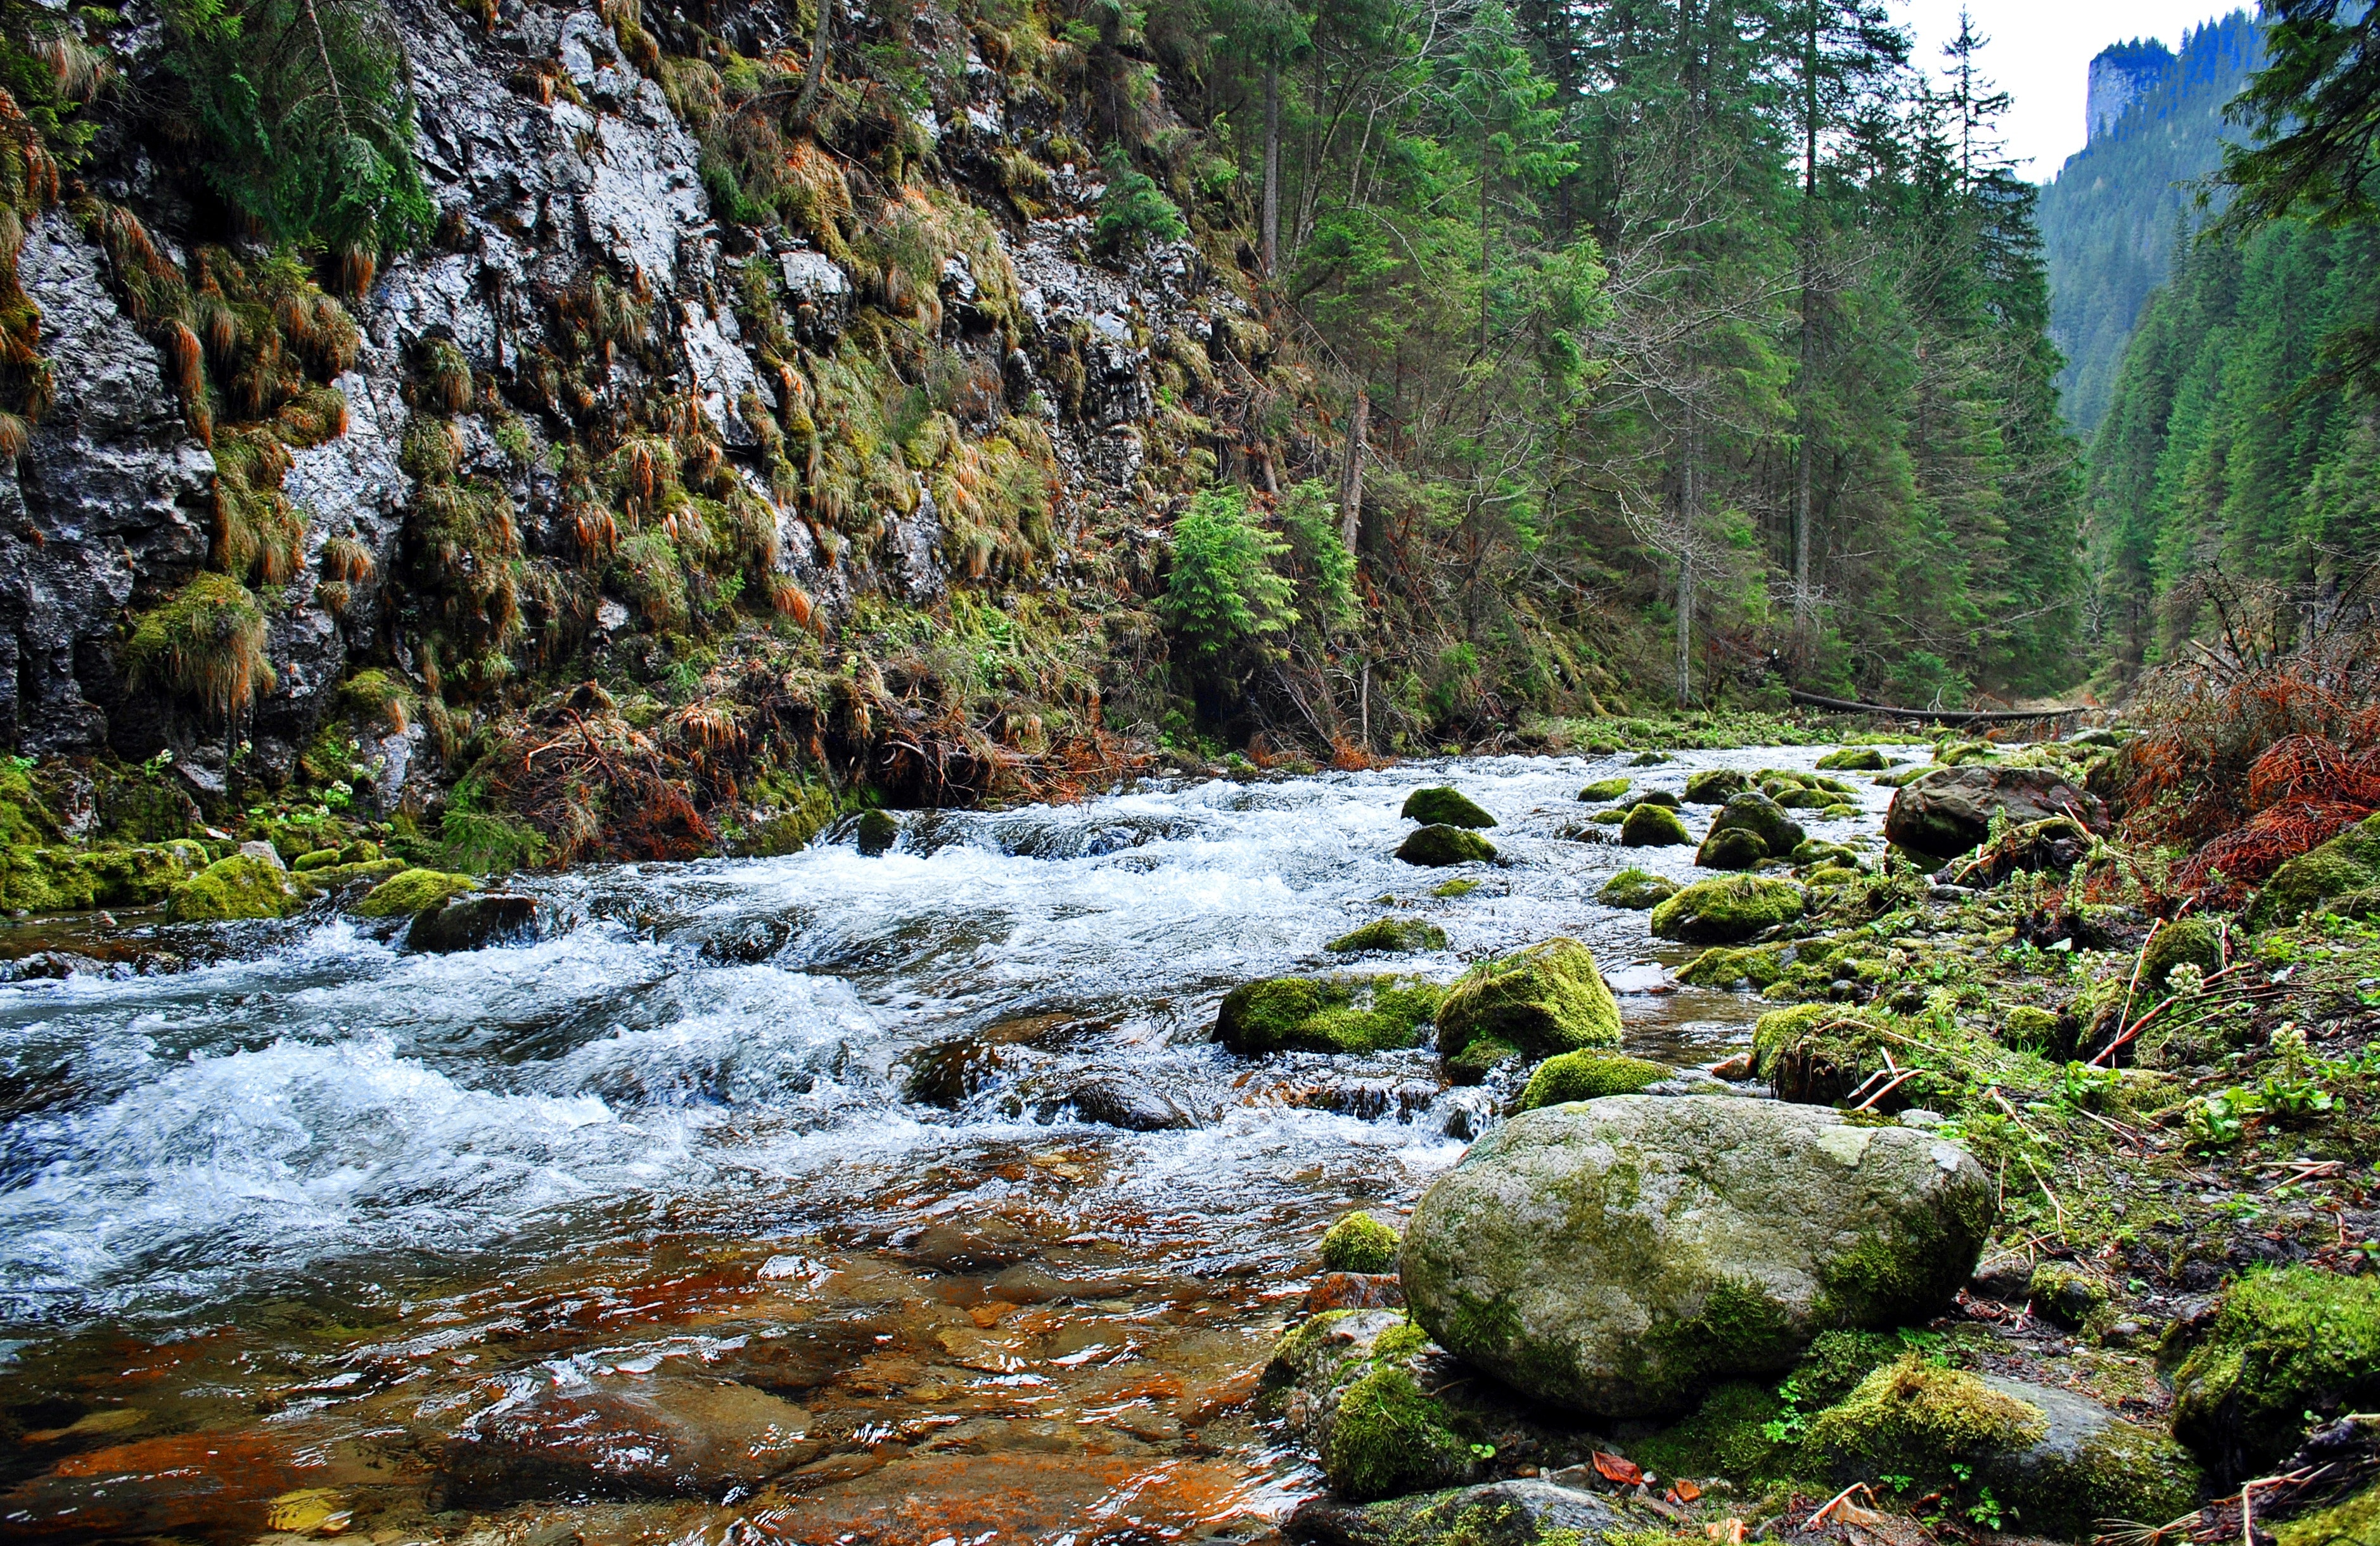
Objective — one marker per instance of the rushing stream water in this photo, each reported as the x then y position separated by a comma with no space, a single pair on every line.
910,1181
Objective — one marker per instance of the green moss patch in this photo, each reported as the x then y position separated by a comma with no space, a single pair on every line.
1545,1000
1338,1013
242,886
1636,890
413,891
1391,936
1588,1076
1913,1416
2285,1343
1437,847
1726,911
1604,789
1654,826
1854,759
1447,807
2186,940
1732,967
1359,1243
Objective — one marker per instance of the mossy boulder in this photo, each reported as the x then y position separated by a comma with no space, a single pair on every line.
1389,936
1831,876
1842,813
1854,759
1730,849
1648,759
1438,846
318,859
2029,1027
1604,789
1656,797
1619,1258
2285,1343
1756,814
2058,1462
474,923
1520,1512
1726,911
1545,1000
1359,1243
322,882
2190,940
1806,800
242,886
1949,811
876,832
1732,967
1588,1076
1339,1014
1713,786
2064,1295
1478,1058
1654,826
1636,890
1351,1384
2347,864
1812,1053
412,891
1444,806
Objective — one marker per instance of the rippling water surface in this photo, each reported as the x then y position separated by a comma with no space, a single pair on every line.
876,1199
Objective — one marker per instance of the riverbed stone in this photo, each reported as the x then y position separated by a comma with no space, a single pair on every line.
1949,811
473,923
1523,1512
1588,1076
1389,936
1618,1257
2058,1461
1730,849
628,1437
1755,812
1440,844
2285,1343
1343,1012
1445,807
1638,889
1539,1002
1714,786
412,891
1654,826
242,886
1854,759
1726,911
1114,1100
1604,789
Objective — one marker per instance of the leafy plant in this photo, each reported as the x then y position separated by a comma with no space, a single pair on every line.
304,115
1223,598
1134,209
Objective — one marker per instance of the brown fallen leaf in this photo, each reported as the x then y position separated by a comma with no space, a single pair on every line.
1619,1468
1686,1491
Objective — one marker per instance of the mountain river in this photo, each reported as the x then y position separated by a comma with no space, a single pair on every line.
817,1198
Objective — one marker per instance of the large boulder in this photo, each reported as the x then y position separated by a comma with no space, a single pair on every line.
474,923
242,886
2346,865
1731,848
1545,1000
1949,811
1728,911
1754,812
1714,786
1445,807
1441,845
1620,1256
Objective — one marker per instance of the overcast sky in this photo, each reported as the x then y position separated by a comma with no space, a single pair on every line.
2040,52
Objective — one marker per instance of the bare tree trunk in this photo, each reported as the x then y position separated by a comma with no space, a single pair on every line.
814,81
1364,705
1351,476
1272,167
1802,604
1689,496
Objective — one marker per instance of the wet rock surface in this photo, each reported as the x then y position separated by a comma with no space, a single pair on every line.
1945,812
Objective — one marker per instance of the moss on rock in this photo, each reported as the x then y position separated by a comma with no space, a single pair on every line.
1730,849
1654,826
1445,807
1545,1000
2352,1521
1441,845
1812,1053
2191,940
1389,936
1604,789
2285,1343
1713,786
1915,1416
1588,1076
411,890
1636,890
1339,1013
1477,1059
2349,863
1755,812
1359,1243
1726,911
2065,1295
1854,759
242,886
1731,966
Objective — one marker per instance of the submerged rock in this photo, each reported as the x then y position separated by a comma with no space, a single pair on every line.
474,923
646,1438
1441,845
1728,911
1618,1257
876,832
1389,936
1654,826
1116,1101
1949,811
1445,807
1636,890
1547,999
1339,1013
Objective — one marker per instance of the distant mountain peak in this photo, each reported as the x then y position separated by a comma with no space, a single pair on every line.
2121,75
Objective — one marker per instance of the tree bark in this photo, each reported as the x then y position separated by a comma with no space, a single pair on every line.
1689,496
1272,167
820,46
1351,476
1802,602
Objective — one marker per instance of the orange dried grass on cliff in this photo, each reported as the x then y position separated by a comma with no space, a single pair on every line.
2261,745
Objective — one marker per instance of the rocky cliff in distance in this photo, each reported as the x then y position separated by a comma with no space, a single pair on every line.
594,418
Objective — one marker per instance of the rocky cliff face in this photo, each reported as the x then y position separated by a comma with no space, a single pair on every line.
583,296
